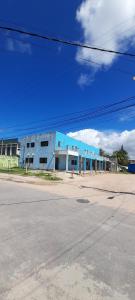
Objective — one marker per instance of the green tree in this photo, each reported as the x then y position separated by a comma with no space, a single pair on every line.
122,156
104,153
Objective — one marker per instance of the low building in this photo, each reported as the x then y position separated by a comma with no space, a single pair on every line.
57,151
9,147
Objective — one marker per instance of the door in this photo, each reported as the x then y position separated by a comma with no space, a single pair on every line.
56,163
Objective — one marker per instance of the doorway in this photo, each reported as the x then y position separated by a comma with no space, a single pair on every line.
56,163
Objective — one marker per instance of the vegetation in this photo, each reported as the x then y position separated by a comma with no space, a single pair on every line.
122,156
22,172
104,154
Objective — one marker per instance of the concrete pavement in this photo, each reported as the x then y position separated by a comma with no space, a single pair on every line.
54,247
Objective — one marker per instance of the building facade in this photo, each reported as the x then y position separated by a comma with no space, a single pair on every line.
9,147
57,151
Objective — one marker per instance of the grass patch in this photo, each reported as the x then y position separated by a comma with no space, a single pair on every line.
47,176
22,172
17,171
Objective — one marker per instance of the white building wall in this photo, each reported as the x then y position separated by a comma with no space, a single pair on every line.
37,151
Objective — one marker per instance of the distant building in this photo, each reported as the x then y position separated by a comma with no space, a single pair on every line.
57,151
131,161
9,147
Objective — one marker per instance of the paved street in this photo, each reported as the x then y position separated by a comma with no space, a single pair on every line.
56,247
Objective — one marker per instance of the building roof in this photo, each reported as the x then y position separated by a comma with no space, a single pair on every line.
9,141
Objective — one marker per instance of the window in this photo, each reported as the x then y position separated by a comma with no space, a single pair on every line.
67,147
44,143
72,147
74,162
43,160
58,143
29,160
32,145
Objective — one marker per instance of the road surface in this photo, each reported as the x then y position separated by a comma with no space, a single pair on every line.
57,247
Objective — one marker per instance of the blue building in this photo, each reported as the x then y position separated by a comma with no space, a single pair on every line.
57,151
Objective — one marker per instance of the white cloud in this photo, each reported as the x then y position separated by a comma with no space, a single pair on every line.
83,80
107,140
106,23
18,46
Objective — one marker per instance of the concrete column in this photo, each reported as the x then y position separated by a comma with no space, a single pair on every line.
10,150
16,150
91,167
66,162
78,163
84,164
101,166
6,150
95,165
54,161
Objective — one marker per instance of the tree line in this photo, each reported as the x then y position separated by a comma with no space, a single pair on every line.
120,155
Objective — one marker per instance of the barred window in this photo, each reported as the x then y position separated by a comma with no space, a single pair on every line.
43,160
44,143
29,160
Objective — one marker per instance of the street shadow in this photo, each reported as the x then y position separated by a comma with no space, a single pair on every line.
107,191
30,202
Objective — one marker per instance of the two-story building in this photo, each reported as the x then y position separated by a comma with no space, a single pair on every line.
9,147
57,151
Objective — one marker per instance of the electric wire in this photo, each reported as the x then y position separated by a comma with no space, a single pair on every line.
64,42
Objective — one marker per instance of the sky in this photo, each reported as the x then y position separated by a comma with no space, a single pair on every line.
41,81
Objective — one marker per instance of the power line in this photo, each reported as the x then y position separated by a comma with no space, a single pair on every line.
65,42
60,125
99,112
83,59
71,116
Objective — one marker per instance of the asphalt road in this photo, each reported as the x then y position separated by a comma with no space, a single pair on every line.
53,247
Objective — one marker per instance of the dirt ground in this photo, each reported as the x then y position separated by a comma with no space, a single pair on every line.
102,188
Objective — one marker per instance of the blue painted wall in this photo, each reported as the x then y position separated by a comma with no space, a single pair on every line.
85,150
56,141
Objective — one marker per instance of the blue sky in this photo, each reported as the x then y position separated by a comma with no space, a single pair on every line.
40,80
